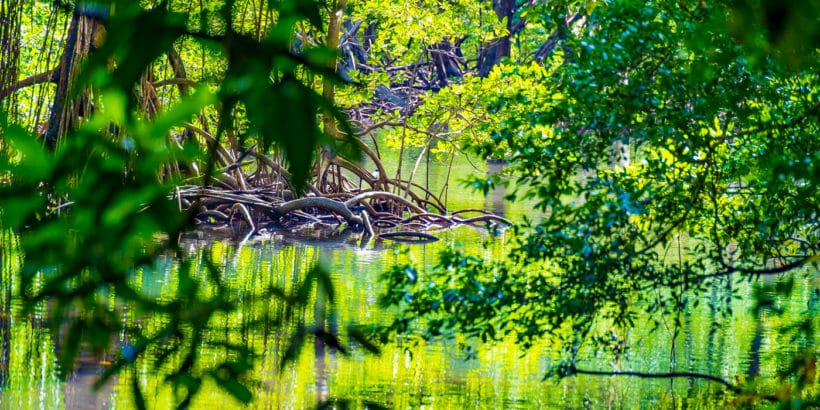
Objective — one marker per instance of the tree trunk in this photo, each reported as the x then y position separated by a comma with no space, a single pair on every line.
446,57
492,52
332,42
328,88
66,112
10,13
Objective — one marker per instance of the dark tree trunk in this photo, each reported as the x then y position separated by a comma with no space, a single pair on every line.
10,14
66,113
55,120
446,58
492,52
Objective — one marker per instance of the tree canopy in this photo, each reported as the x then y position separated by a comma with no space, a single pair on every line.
635,127
651,124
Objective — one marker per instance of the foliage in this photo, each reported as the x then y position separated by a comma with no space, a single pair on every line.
649,125
633,126
97,208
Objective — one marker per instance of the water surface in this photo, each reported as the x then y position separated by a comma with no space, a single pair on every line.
408,374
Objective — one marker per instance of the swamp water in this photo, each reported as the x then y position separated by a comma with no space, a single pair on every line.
435,374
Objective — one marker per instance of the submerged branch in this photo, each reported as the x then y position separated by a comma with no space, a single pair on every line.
674,375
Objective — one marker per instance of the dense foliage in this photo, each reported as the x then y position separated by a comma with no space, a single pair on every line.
93,209
669,148
666,158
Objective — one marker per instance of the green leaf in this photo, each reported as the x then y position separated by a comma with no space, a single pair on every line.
183,111
356,333
35,164
14,211
237,390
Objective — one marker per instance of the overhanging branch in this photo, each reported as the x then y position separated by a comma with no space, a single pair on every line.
786,267
44,77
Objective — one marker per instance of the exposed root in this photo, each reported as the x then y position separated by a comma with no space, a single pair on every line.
256,189
383,195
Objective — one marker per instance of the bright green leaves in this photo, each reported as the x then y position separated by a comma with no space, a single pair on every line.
407,28
24,151
650,128
100,206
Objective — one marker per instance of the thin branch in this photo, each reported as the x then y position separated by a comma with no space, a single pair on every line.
674,375
698,184
383,195
44,77
173,81
769,271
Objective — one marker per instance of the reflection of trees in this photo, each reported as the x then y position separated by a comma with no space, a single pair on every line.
7,263
79,389
5,320
494,200
720,293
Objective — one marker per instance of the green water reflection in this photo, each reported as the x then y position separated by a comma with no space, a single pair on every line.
405,375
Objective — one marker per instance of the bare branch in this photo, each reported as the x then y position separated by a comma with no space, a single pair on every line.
44,77
674,375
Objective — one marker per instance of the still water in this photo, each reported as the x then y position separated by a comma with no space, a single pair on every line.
407,374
